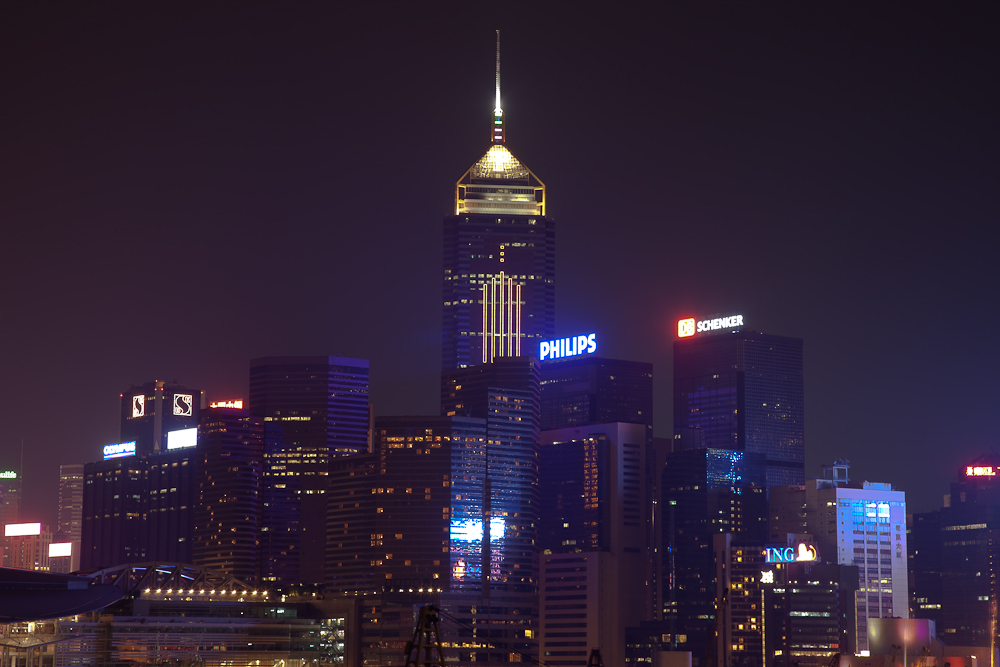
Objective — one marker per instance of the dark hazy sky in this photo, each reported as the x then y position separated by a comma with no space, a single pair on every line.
185,188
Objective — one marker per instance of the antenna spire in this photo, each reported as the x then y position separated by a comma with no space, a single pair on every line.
498,137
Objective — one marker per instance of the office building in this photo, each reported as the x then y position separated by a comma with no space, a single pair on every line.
26,546
594,537
853,524
499,259
320,405
10,497
151,410
170,496
955,557
583,390
741,390
229,499
410,516
809,614
70,512
704,492
114,512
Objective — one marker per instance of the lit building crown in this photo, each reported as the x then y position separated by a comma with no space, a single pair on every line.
498,183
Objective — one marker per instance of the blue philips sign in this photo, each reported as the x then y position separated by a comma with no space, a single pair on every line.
568,347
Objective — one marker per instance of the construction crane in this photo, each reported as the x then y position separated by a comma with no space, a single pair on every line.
426,641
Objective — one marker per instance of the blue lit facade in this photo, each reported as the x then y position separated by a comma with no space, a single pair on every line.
705,492
742,391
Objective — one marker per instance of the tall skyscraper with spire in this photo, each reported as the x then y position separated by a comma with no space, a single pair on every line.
499,258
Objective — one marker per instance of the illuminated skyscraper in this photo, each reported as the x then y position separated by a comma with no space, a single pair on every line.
229,501
499,258
70,515
741,390
320,405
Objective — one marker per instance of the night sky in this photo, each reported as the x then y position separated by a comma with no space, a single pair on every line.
183,189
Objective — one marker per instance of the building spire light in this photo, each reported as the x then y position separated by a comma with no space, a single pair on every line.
498,137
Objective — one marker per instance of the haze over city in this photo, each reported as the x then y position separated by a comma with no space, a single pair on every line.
184,190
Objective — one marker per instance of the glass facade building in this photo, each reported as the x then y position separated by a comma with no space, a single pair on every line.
318,410
955,556
70,516
229,506
704,492
576,391
742,391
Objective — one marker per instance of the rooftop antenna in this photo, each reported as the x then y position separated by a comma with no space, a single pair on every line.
498,137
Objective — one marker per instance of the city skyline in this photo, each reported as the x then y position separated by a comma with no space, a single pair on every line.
824,208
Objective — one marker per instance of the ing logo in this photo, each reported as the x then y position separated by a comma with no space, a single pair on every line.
685,328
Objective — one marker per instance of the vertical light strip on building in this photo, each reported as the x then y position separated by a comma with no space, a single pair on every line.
501,318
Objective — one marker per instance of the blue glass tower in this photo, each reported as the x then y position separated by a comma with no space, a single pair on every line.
742,391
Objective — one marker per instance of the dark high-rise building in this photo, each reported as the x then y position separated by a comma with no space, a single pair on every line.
594,536
705,492
229,505
10,497
321,406
170,496
412,516
741,390
152,410
114,512
70,512
956,558
577,391
499,259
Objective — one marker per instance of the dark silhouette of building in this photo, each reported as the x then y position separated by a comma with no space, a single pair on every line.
321,407
578,391
114,512
594,537
705,492
742,390
151,410
956,552
229,502
171,496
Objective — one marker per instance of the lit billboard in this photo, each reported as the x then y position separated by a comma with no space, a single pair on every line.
185,437
21,529
8,474
980,471
690,326
138,406
238,404
567,347
119,450
60,549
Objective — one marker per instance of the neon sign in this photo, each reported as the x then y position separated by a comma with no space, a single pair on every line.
8,474
183,405
980,471
119,450
471,530
228,404
804,553
689,327
138,406
567,347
